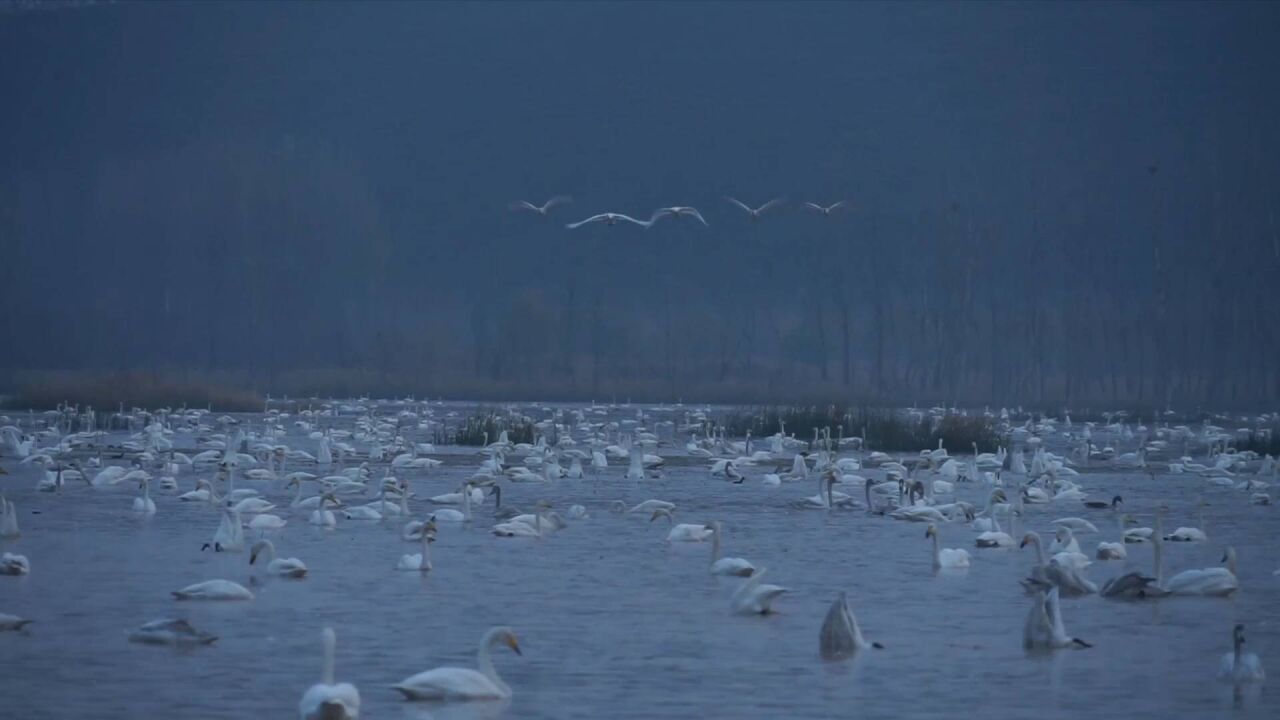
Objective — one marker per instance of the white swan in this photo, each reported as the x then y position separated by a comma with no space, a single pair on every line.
267,521
946,557
170,632
420,562
453,683
1237,666
995,538
1056,572
1190,534
755,598
754,213
11,564
825,211
1116,550
10,623
610,219
677,212
213,590
1214,581
326,700
284,567
323,517
144,505
726,565
684,532
1064,541
1043,629
544,207
1076,524
840,637
229,537
8,519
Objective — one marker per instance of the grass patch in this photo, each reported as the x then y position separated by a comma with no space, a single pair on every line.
482,427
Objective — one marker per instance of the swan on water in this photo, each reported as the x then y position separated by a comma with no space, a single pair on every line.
1055,572
684,532
9,519
144,505
726,565
322,516
213,590
1214,581
170,632
1238,666
1043,629
1116,550
840,637
420,562
327,700
11,564
1190,534
284,567
754,597
946,557
453,683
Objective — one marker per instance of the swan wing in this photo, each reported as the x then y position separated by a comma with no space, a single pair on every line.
740,204
593,218
769,204
813,206
837,637
694,212
557,200
523,205
449,683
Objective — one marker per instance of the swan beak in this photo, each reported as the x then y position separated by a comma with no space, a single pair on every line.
514,644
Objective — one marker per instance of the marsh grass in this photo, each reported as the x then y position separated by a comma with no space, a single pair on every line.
104,391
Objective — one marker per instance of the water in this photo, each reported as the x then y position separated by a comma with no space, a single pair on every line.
613,621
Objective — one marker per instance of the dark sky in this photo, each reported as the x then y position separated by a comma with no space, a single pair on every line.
1031,118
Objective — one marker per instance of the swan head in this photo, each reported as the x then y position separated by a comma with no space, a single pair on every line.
931,532
257,549
998,495
504,636
1237,635
1028,539
1063,534
1229,555
617,506
1117,500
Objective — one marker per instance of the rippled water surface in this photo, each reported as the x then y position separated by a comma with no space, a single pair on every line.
615,622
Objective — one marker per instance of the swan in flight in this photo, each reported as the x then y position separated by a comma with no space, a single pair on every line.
1043,629
1237,666
284,567
677,212
326,700
946,557
422,561
1214,581
754,213
544,207
171,632
726,565
453,683
11,564
827,210
213,590
684,532
840,636
755,598
610,219
12,622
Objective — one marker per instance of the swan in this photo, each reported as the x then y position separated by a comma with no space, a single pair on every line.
284,567
1076,524
420,562
202,493
12,622
985,522
1214,581
251,505
1043,629
514,528
144,505
995,538
326,700
840,636
9,519
1116,550
649,506
1237,666
229,536
946,557
452,683
1190,534
754,213
322,517
677,212
578,512
213,590
1100,505
1055,572
267,521
362,512
171,632
456,498
825,211
1064,541
300,502
544,207
684,532
755,598
609,219
728,565
11,564
464,515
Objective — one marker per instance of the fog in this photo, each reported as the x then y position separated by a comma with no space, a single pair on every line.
1048,204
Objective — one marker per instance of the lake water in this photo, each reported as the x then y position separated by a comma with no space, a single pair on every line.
613,621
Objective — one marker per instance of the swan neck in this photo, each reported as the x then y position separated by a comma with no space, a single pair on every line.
715,544
485,663
326,675
937,554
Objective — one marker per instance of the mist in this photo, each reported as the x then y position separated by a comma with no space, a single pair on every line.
1049,204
